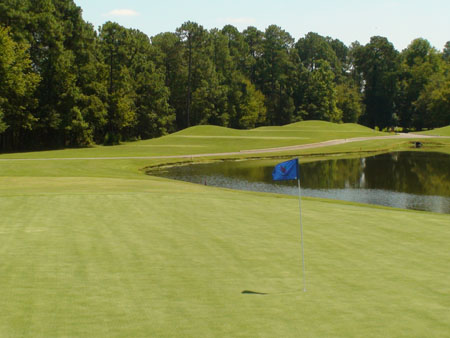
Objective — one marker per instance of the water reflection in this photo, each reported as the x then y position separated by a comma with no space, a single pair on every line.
410,180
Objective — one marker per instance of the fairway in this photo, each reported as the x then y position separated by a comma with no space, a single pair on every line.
98,249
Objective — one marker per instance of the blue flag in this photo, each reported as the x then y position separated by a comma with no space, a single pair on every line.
286,171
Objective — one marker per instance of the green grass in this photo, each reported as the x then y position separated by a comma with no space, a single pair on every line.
444,131
95,248
112,257
212,139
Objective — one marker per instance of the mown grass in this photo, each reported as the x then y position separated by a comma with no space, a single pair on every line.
212,139
444,131
96,248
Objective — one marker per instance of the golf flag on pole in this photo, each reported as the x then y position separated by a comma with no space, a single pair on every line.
286,171
289,170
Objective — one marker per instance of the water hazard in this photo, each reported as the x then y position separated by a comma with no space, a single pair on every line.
409,180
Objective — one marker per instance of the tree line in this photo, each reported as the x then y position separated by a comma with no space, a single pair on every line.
63,84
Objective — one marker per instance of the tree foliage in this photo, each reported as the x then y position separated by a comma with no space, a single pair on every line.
17,86
62,83
378,63
420,64
434,100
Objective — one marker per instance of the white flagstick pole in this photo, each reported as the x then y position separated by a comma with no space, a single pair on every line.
301,227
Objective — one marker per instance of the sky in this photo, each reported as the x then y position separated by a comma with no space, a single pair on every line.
401,21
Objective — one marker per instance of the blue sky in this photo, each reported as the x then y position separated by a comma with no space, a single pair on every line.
400,21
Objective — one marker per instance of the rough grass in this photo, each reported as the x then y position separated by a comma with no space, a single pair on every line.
95,248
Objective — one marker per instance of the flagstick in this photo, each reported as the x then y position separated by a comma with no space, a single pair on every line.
301,230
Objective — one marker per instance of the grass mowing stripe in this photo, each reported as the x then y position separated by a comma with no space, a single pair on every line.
127,264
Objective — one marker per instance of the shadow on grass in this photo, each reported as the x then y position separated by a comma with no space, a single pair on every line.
248,292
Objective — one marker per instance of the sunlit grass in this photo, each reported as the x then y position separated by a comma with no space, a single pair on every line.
212,139
96,248
444,131
124,257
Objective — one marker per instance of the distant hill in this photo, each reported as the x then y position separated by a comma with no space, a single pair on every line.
309,126
444,131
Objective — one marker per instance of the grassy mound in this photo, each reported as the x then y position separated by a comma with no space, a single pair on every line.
214,139
303,126
208,130
324,126
444,131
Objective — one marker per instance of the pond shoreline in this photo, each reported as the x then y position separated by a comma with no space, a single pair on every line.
408,180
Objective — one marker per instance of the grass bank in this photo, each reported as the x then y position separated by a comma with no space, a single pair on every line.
444,131
97,248
212,139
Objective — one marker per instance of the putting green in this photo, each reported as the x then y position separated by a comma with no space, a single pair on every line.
121,257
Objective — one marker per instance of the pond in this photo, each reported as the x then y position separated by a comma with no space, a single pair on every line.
408,180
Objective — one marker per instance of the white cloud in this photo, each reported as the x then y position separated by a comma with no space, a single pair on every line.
122,12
